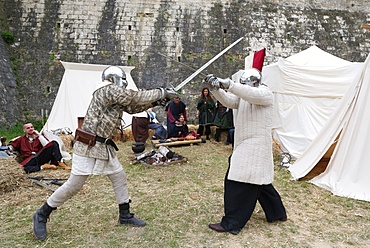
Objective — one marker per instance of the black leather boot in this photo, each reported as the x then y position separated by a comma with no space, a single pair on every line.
127,218
40,218
217,135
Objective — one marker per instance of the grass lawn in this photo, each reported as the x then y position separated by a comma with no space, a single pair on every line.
178,202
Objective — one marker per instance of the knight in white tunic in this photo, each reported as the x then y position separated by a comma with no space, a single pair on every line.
251,169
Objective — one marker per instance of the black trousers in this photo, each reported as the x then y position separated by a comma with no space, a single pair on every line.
201,129
171,132
240,199
50,152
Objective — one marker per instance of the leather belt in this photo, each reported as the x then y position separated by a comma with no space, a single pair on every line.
107,141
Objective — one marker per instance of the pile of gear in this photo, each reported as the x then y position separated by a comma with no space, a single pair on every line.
64,130
161,156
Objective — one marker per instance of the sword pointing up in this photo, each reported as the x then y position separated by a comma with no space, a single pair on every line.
206,65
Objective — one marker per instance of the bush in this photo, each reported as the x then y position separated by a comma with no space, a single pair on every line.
8,37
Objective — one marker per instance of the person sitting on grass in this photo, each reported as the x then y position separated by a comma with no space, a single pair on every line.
223,119
3,148
174,109
36,151
230,137
181,128
160,131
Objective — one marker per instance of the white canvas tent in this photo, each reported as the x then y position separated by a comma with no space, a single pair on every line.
348,170
75,92
308,87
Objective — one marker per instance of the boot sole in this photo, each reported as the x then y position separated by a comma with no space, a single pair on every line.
131,224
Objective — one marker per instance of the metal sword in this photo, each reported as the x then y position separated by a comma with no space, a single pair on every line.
183,64
42,184
187,80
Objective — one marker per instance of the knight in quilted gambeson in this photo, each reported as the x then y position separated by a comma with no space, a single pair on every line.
102,119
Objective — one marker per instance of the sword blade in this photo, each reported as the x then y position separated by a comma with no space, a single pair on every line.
185,65
42,184
206,65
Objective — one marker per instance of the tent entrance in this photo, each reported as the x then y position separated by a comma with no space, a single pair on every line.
320,167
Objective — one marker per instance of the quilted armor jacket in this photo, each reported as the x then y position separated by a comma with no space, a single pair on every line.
104,114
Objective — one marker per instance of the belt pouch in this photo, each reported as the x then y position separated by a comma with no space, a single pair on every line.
85,137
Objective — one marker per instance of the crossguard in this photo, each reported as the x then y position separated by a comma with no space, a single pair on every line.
161,102
173,87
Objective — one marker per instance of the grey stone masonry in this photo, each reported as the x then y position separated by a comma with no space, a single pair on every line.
164,40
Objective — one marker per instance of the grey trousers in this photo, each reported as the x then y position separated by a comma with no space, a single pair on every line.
75,182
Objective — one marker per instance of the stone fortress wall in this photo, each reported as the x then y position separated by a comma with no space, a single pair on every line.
162,39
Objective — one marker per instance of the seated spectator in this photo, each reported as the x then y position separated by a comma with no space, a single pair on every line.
230,137
174,109
160,131
181,128
36,151
223,119
3,148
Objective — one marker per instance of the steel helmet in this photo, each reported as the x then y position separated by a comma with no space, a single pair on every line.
115,75
251,77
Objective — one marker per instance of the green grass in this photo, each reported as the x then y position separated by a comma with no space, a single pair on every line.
178,202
